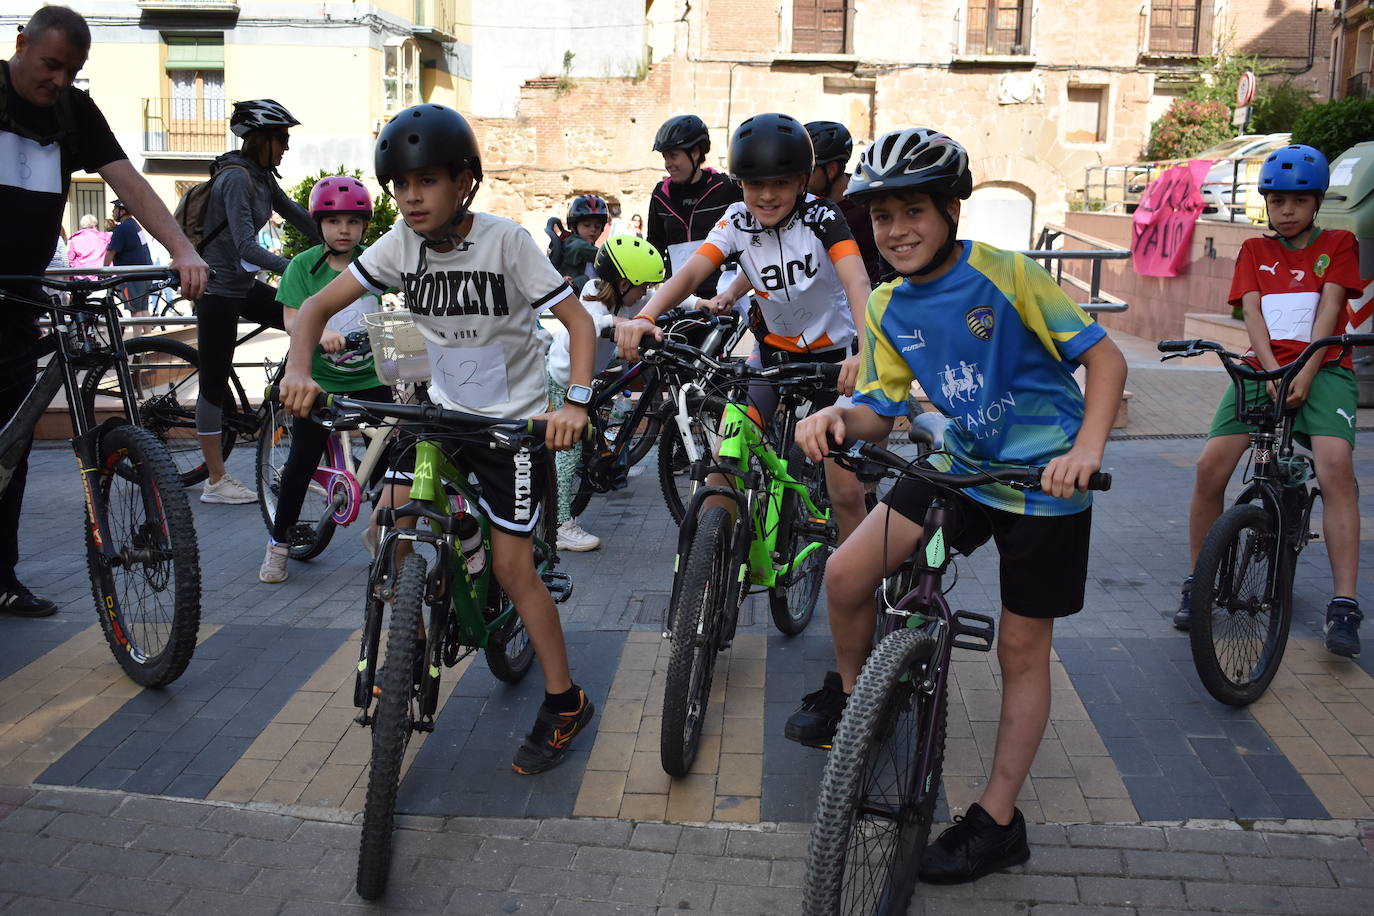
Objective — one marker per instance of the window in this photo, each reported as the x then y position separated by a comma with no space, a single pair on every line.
1085,121
998,27
820,26
1180,27
398,74
195,74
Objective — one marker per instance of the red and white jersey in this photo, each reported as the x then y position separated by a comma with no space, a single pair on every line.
1289,282
792,269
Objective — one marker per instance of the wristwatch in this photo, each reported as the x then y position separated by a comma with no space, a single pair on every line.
578,395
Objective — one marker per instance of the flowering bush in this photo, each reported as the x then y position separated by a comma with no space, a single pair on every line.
1188,127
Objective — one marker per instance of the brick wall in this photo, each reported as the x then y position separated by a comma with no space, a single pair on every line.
1271,28
746,26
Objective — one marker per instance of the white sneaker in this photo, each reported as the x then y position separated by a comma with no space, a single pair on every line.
572,537
273,567
227,490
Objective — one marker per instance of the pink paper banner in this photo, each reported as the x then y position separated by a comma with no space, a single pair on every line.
1162,226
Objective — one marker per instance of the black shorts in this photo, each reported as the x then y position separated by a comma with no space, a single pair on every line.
512,486
763,397
1044,567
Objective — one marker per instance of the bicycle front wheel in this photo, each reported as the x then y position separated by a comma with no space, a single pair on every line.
701,596
1242,602
872,818
166,386
148,594
793,600
314,524
675,467
392,726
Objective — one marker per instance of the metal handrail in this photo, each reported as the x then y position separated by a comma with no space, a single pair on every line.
1098,301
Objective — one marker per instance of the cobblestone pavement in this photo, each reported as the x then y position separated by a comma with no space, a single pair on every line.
236,788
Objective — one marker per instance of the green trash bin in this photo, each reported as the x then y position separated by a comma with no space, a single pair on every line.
1349,205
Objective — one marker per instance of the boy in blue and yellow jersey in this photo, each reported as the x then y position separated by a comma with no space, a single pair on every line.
994,343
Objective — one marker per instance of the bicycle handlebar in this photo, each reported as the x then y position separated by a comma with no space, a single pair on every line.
783,374
90,279
1028,478
1232,362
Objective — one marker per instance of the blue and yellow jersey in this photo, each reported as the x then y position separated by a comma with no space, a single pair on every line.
993,343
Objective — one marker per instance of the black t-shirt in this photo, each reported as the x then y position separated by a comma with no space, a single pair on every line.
856,214
34,176
681,215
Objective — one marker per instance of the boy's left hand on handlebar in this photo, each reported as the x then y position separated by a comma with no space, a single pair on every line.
297,393
332,341
565,426
849,375
818,433
1069,473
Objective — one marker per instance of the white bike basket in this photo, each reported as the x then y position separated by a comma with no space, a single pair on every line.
398,348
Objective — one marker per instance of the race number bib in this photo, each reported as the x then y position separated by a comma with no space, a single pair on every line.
348,319
1290,315
471,376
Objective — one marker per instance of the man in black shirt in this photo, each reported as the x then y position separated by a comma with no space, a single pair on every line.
48,129
830,179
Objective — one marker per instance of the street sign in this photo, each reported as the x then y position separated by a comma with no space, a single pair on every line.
1245,89
1240,116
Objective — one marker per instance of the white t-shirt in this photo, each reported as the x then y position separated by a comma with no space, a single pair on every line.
560,361
476,308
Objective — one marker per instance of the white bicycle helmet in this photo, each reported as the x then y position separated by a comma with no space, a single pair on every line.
915,159
259,114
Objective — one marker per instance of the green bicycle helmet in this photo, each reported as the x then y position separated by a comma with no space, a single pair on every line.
628,257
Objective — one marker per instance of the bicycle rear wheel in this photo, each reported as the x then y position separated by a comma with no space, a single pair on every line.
314,525
148,597
392,725
166,386
701,596
793,601
872,819
509,652
1238,625
674,467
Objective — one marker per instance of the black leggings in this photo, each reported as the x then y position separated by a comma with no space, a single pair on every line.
308,440
217,320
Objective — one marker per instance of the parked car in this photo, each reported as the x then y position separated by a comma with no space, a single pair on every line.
1230,178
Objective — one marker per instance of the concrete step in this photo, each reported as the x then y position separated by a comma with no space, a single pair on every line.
1225,330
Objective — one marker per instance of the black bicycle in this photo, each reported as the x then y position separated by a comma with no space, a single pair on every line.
1241,604
882,776
141,548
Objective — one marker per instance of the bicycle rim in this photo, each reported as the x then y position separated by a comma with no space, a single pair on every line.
314,527
148,599
872,820
674,467
793,602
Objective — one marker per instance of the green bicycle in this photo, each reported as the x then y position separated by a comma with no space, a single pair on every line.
398,691
777,538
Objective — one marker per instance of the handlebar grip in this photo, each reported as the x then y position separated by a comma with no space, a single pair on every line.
322,400
539,429
1100,480
607,333
1176,346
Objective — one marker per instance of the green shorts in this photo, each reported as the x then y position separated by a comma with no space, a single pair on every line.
1328,411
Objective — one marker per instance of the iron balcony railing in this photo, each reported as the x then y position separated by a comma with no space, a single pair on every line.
193,126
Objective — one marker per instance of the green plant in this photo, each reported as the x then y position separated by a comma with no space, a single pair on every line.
1277,106
565,82
1188,127
383,212
1335,126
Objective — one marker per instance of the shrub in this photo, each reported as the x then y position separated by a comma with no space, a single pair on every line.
1188,127
1277,107
1336,126
383,212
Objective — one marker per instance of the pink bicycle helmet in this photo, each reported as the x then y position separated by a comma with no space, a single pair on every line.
339,194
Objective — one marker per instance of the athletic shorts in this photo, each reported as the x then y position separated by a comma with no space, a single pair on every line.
1044,568
1328,411
512,485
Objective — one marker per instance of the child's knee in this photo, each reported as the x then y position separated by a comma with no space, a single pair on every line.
850,579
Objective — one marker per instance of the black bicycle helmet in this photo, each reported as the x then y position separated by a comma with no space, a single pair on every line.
915,159
427,135
770,146
259,114
683,132
831,141
587,205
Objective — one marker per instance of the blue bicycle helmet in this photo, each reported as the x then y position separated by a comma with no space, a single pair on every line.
1295,168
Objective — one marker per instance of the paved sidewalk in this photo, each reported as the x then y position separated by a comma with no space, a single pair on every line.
78,852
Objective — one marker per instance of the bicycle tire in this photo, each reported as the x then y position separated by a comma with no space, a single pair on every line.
165,394
875,747
1237,630
314,526
582,488
509,652
149,609
674,471
700,600
392,726
792,605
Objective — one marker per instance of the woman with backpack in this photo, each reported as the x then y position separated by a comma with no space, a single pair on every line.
242,194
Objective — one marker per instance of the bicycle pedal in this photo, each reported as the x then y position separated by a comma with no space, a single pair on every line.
363,719
972,631
560,585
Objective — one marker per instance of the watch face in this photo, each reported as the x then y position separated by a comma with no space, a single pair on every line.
579,395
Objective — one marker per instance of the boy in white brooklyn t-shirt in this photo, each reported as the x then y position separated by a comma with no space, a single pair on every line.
475,284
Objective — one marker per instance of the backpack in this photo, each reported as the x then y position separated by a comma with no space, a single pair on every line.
191,210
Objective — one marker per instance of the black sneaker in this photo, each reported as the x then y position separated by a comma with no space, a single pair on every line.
1343,628
18,601
547,743
815,721
974,846
1184,613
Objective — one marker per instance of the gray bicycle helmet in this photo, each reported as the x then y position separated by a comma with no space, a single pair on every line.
259,114
683,132
831,141
770,146
915,159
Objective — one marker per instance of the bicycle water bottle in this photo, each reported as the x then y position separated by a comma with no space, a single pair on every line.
621,407
470,539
